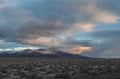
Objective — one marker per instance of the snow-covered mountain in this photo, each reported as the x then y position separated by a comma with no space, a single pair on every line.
42,53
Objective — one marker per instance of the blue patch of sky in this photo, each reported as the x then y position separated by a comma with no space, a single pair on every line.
103,27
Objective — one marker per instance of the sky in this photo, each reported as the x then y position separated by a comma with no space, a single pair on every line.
86,27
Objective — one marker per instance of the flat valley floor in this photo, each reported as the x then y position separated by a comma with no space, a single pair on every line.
38,68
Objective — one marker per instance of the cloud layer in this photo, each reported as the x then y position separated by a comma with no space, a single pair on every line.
108,45
64,23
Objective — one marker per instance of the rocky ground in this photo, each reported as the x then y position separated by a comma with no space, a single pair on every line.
21,68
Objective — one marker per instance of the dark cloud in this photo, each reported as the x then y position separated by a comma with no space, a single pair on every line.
110,5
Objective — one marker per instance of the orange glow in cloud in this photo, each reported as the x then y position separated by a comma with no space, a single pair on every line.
88,27
80,49
44,41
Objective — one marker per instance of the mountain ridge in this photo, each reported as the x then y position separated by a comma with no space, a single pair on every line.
42,53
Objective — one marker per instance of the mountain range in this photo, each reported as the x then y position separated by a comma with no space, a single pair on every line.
41,53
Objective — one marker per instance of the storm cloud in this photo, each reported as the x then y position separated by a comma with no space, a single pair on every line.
61,23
